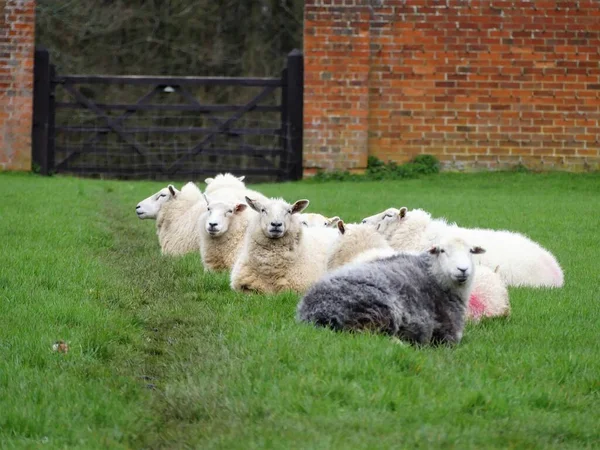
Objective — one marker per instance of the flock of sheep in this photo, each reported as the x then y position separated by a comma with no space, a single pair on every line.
399,272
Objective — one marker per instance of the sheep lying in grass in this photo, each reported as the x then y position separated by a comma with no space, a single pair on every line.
312,220
177,223
279,253
420,298
222,229
357,242
521,261
176,213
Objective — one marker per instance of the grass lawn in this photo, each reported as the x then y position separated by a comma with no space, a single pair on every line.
164,356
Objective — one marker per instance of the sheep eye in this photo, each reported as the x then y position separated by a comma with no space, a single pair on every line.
230,211
387,215
325,224
208,209
305,224
263,211
442,251
289,211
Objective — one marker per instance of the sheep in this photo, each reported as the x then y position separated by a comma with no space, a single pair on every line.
311,220
279,253
418,298
521,261
176,214
357,242
222,230
177,224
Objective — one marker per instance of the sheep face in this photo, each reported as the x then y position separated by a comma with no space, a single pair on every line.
219,216
149,208
386,219
453,262
276,216
310,220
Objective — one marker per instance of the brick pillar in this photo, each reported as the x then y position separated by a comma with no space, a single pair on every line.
479,84
17,42
336,85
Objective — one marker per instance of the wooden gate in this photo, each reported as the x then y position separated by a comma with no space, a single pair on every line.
158,127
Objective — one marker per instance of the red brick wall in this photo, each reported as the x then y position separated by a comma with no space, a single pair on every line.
17,36
486,84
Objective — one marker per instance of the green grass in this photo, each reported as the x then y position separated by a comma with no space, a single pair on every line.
164,356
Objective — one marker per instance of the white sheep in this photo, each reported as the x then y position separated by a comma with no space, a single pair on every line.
521,261
177,222
312,220
279,253
357,242
176,213
222,230
420,298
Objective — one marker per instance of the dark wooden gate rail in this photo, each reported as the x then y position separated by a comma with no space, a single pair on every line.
290,109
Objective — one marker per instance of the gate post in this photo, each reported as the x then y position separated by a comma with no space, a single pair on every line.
41,111
295,115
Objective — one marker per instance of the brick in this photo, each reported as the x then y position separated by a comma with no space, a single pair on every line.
479,85
16,83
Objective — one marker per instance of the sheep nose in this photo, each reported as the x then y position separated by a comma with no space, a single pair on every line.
276,224
138,207
212,224
462,270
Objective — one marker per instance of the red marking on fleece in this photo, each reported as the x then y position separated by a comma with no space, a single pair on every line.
476,306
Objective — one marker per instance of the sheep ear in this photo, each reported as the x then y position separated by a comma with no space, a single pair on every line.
240,207
340,226
209,180
434,250
300,206
254,204
241,178
403,212
333,221
172,190
477,250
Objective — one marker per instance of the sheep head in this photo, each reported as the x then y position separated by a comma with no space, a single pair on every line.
312,220
150,207
453,261
219,216
386,219
277,216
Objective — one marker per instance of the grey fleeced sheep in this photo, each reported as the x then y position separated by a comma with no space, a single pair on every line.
420,298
